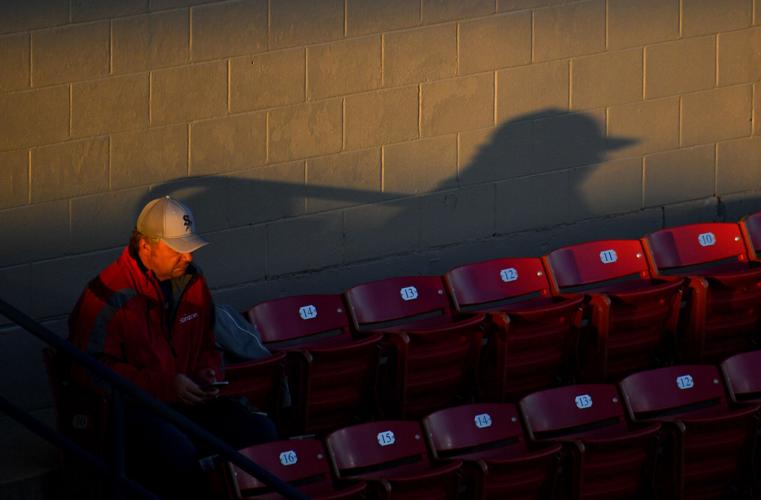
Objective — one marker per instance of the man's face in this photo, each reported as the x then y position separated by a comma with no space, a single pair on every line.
163,261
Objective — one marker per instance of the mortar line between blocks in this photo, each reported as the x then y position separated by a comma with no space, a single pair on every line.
29,175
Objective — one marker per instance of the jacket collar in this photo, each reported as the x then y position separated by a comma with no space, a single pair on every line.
143,280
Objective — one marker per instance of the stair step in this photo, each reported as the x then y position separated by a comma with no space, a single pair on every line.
28,464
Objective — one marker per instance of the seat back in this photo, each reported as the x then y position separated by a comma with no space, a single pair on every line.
691,245
742,376
597,262
532,334
724,303
300,319
474,427
710,453
490,437
750,226
296,461
397,300
499,280
261,381
433,352
674,391
374,447
574,410
332,375
632,317
609,457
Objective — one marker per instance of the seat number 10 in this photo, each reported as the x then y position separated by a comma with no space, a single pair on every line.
707,239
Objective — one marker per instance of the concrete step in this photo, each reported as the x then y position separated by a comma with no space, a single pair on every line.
29,465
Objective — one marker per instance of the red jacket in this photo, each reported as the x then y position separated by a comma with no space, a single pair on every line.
120,319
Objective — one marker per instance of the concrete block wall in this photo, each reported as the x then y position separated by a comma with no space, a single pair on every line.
326,143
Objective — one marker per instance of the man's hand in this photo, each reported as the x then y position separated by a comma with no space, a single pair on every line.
189,392
206,376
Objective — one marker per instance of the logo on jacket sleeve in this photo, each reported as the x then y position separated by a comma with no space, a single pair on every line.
188,317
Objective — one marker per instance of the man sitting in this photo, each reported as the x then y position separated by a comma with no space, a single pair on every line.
149,316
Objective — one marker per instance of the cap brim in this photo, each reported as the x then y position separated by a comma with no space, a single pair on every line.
186,244
618,142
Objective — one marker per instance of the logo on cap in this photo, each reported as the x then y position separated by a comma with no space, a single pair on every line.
170,221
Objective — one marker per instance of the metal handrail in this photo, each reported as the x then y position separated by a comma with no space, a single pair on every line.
125,386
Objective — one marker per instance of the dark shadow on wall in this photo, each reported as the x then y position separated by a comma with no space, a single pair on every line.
532,184
535,183
536,171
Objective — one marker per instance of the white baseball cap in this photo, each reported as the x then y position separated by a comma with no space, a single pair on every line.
172,222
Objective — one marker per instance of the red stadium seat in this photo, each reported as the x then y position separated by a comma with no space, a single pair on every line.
710,444
725,287
392,457
750,225
632,316
300,462
531,335
332,373
489,439
435,350
610,457
260,381
742,376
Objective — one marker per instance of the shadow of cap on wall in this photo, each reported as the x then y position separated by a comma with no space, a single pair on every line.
548,140
534,143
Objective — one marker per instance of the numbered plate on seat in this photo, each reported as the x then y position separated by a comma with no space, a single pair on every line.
685,382
288,458
308,312
608,256
408,293
583,401
386,438
483,420
707,239
509,274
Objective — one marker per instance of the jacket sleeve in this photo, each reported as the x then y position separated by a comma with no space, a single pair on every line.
98,327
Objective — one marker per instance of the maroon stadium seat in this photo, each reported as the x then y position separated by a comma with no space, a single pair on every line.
300,462
632,316
610,457
710,443
260,381
725,287
489,439
531,335
750,225
742,376
393,458
332,373
435,350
